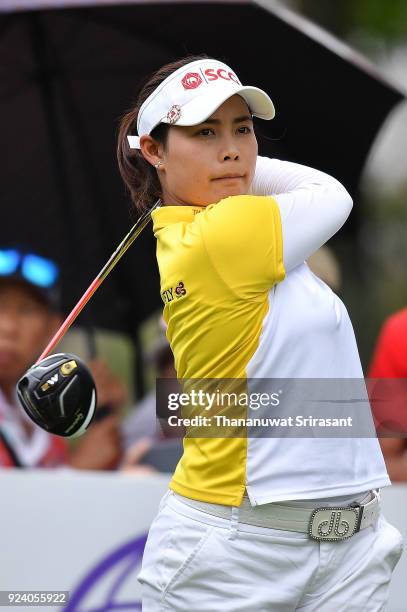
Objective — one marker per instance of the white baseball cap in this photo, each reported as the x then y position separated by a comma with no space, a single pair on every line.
192,93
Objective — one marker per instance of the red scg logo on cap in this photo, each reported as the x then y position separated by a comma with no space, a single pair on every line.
213,75
191,80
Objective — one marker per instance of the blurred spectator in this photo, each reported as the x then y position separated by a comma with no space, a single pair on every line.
28,319
142,421
146,438
324,264
101,446
390,362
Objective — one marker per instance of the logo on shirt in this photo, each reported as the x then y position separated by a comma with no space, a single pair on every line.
180,289
174,293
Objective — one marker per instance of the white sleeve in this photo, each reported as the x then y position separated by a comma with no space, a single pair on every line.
313,205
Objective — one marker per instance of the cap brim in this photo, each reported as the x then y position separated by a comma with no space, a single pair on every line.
202,107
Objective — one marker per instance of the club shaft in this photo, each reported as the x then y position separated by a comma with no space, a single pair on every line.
108,267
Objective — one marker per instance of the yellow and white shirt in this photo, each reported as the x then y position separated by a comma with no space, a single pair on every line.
240,302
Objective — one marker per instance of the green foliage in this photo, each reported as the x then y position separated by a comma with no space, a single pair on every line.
374,266
383,254
379,18
386,18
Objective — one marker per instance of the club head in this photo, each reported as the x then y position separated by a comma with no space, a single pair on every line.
59,395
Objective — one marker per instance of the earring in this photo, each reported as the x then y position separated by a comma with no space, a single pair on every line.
157,165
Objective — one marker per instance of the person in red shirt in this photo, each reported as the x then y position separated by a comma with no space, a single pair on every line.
389,401
28,319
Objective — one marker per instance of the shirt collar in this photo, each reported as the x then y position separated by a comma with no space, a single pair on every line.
166,215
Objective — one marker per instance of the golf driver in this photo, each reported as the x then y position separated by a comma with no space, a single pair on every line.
58,392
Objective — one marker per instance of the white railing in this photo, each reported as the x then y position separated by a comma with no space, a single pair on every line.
84,532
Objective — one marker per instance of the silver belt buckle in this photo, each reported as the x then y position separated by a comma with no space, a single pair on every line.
333,524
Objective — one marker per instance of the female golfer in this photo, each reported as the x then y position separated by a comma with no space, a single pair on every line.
251,523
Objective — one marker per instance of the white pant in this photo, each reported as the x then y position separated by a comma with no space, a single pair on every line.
196,562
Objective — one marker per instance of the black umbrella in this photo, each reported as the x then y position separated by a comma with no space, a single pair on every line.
66,77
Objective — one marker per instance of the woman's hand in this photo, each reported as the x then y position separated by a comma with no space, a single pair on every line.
100,448
110,389
134,454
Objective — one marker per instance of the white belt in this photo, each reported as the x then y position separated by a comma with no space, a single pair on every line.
324,523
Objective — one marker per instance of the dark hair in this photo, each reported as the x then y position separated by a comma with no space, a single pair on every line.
138,175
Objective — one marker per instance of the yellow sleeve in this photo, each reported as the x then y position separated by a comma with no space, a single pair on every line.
243,239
